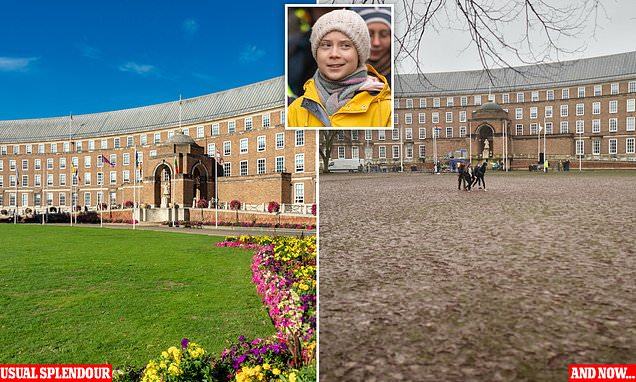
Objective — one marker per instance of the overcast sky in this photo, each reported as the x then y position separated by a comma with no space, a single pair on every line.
445,50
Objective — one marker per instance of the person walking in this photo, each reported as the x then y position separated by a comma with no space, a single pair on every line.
460,176
480,172
545,165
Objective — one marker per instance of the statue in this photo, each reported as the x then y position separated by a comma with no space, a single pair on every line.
197,188
486,152
165,189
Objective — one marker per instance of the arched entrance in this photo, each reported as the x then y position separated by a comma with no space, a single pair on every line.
199,182
163,185
485,141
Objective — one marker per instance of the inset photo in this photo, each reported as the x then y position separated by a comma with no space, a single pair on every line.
338,66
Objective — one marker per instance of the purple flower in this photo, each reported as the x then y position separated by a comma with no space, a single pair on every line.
184,343
241,338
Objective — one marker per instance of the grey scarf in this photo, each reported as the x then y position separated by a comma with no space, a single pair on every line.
335,94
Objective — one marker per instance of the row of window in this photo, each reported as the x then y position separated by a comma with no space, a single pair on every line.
130,140
534,112
279,166
126,157
520,96
50,162
299,197
612,146
87,179
612,149
564,128
261,144
261,166
248,124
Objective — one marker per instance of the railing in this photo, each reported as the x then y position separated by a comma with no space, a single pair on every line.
299,209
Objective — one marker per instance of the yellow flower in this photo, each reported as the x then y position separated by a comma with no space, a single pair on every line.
276,371
266,366
292,377
174,370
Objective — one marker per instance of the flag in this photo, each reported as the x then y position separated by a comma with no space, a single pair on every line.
17,176
74,171
137,161
107,161
219,159
176,166
540,127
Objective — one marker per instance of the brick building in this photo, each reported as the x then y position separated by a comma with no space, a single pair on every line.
258,161
587,107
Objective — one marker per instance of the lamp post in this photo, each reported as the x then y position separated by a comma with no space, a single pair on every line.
435,150
582,147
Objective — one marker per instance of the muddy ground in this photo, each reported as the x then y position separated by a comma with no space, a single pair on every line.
421,282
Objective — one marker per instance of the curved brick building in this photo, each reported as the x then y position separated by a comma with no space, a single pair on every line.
587,107
258,161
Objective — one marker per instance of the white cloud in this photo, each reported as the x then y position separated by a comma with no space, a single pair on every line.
16,64
251,53
134,67
190,27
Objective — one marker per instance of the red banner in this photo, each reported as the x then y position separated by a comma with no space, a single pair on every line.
598,372
79,373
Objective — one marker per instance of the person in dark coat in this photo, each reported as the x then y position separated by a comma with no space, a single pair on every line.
480,172
460,176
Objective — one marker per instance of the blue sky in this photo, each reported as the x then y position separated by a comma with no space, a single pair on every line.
77,56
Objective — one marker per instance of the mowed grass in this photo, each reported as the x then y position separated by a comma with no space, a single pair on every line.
91,295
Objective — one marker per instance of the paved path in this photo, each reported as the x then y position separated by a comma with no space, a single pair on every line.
421,282
206,230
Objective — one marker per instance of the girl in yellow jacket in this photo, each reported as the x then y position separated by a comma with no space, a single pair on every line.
344,92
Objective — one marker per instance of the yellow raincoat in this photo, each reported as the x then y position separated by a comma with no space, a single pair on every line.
363,110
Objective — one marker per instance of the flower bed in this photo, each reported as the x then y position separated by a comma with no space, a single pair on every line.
244,224
284,272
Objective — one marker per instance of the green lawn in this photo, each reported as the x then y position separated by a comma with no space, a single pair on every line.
80,295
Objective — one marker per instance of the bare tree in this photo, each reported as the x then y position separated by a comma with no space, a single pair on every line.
501,31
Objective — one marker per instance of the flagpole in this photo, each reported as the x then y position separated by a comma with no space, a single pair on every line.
470,144
43,191
538,143
135,190
42,196
582,149
17,179
70,150
180,111
507,142
216,188
545,154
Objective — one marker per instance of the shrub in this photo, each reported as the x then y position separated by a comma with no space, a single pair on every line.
313,209
128,204
235,205
52,209
4,212
202,203
273,207
90,217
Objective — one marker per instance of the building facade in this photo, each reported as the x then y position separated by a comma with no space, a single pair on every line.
583,109
129,155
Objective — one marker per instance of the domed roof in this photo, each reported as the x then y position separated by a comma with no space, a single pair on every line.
490,106
180,139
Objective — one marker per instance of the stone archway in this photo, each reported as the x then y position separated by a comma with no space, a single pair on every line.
199,182
163,185
485,141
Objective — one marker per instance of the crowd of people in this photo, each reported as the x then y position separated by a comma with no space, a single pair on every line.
468,176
